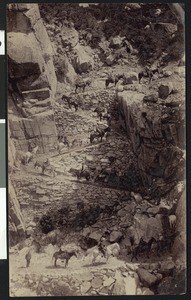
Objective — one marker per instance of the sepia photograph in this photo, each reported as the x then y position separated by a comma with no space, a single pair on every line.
96,149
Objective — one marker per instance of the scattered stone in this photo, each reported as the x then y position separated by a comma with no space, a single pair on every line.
150,98
119,286
108,281
146,277
87,276
137,197
96,283
110,60
115,236
122,213
119,88
116,42
130,77
146,291
153,210
166,267
103,291
96,235
165,89
29,231
131,283
40,191
167,73
85,286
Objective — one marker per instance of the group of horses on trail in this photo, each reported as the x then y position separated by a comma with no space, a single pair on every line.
106,250
145,73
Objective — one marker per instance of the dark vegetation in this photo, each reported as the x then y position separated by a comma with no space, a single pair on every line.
107,20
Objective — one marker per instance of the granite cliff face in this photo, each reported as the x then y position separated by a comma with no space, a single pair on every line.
156,131
31,93
32,79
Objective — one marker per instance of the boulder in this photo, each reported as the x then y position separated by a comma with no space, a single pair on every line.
69,37
147,279
96,283
166,267
153,210
24,54
82,61
108,281
85,287
151,98
119,286
137,197
165,89
175,285
29,50
131,284
167,73
119,88
29,231
130,77
110,60
96,235
115,236
85,276
116,42
121,213
146,291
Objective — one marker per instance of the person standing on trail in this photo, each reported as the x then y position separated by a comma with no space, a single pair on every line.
102,247
28,258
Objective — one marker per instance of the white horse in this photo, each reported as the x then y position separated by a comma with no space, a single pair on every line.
111,250
172,221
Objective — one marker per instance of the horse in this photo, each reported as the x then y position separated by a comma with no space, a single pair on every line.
64,140
102,115
106,173
45,166
63,255
110,250
148,73
99,133
113,79
99,112
80,173
70,102
82,84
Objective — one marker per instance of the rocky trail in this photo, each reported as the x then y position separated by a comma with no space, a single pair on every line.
64,183
123,188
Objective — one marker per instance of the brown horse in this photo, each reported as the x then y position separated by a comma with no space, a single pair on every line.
99,133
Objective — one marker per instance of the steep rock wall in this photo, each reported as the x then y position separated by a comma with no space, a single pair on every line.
32,79
31,92
16,221
156,135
